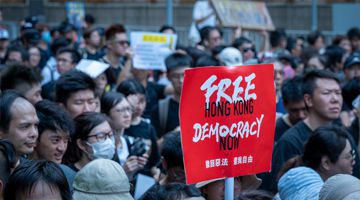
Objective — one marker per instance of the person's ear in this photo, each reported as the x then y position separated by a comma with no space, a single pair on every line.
308,100
325,163
164,163
81,145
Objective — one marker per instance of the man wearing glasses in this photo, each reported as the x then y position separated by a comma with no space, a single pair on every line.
118,54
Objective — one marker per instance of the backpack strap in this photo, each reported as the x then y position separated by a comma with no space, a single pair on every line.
163,112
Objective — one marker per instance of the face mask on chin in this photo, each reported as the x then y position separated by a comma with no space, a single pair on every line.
104,149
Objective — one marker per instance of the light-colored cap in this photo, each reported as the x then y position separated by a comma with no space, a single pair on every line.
230,56
340,187
101,179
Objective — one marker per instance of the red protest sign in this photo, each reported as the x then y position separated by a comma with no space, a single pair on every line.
227,120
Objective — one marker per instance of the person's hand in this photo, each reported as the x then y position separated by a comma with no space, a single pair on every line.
142,160
129,54
264,33
237,32
131,165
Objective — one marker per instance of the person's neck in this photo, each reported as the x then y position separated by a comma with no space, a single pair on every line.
313,121
118,133
91,49
82,162
113,59
136,120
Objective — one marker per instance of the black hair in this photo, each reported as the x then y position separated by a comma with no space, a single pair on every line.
178,60
313,36
112,30
131,86
7,99
207,60
238,42
15,76
334,54
205,32
75,56
166,27
84,123
171,150
109,100
89,19
328,141
276,37
351,90
291,90
309,79
353,32
171,191
7,159
255,195
30,173
87,33
71,82
20,49
53,117
58,44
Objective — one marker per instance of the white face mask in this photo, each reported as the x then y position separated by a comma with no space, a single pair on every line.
104,149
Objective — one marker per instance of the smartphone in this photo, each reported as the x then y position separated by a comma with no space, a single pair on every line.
356,103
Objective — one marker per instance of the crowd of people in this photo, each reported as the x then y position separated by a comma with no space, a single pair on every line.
67,135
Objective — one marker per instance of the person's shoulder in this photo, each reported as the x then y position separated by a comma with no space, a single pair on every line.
294,132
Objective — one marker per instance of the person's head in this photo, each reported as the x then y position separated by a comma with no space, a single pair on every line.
278,39
206,60
24,80
178,191
246,48
295,46
68,31
176,64
37,180
92,37
300,183
34,56
255,195
93,138
322,95
55,127
66,59
116,40
102,179
18,122
316,40
351,90
59,43
211,37
172,157
293,99
75,91
340,186
167,29
215,189
7,163
16,55
343,42
316,62
352,66
335,57
118,109
30,37
354,36
89,21
135,94
328,151
278,74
